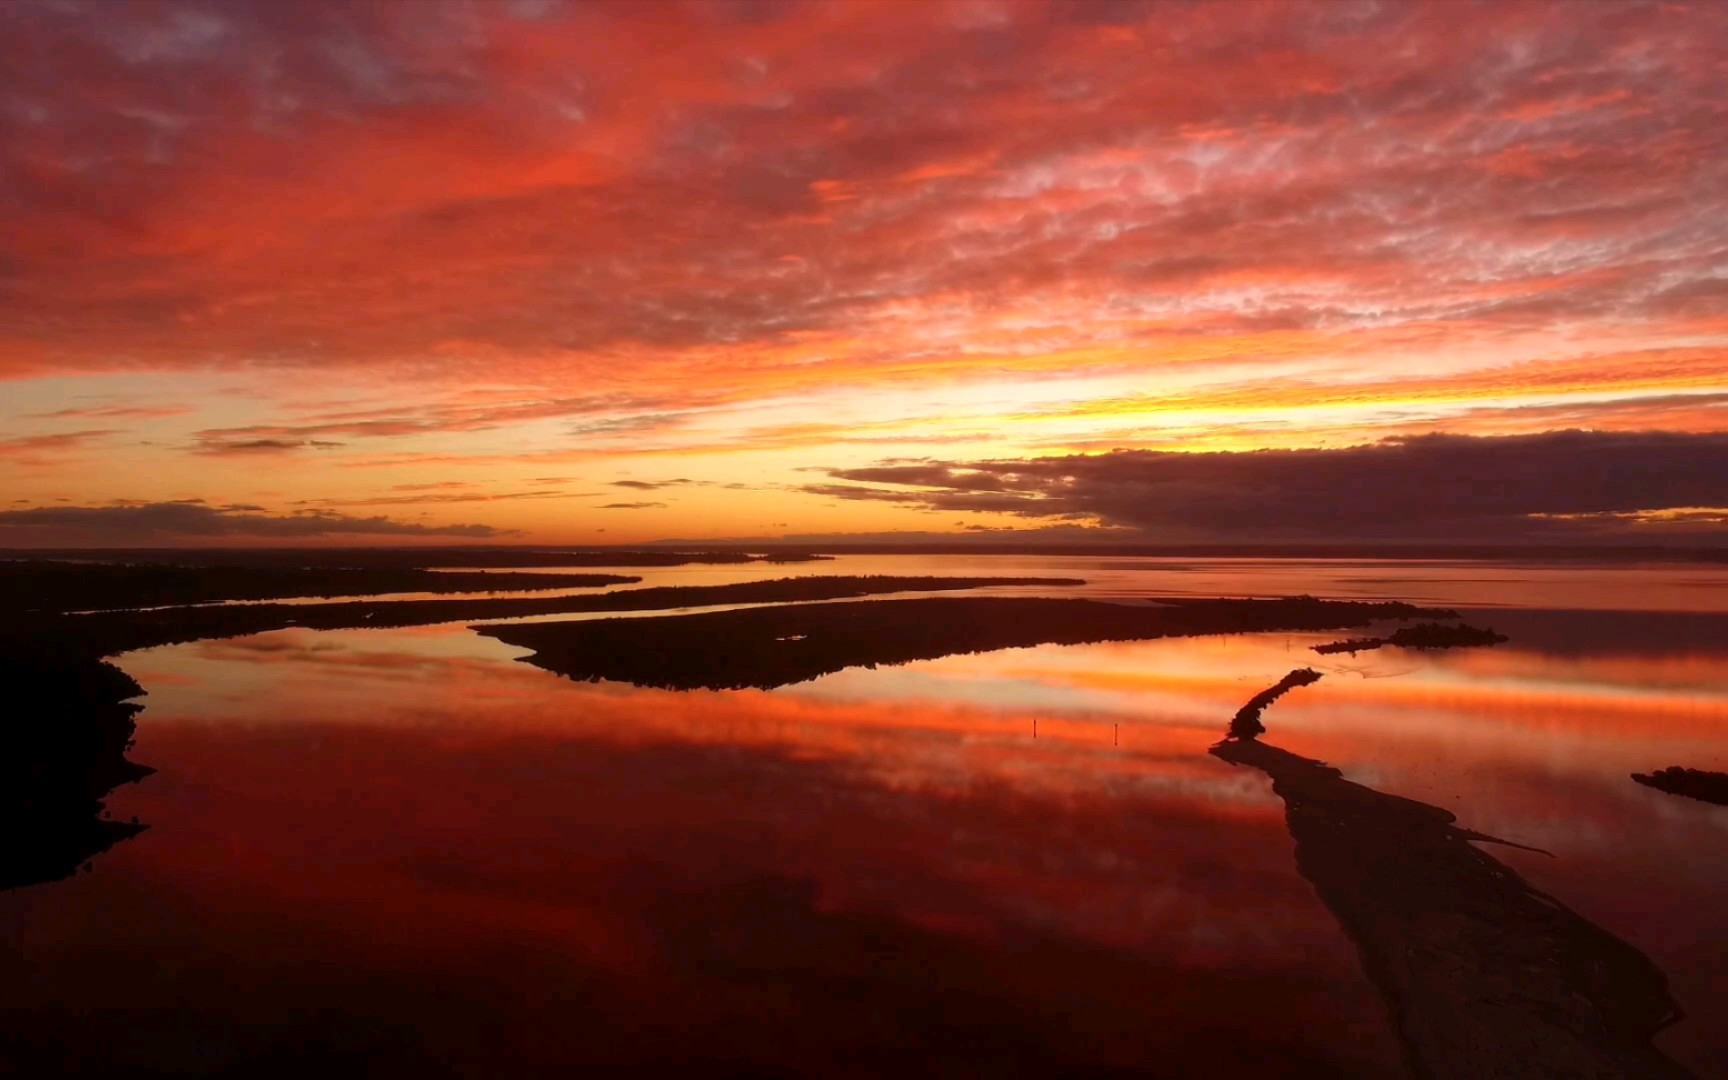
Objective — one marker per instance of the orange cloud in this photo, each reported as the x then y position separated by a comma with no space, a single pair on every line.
526,231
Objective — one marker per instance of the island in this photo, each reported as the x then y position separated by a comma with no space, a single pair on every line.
764,648
1710,787
1430,635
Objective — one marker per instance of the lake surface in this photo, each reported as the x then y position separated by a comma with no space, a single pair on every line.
407,849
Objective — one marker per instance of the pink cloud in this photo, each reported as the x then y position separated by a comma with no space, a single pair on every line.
553,193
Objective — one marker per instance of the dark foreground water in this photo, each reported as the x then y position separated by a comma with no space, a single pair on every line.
381,851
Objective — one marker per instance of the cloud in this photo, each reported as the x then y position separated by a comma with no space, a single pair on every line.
1579,484
429,419
222,448
48,450
611,196
632,506
627,425
1030,505
114,412
428,497
128,523
654,485
472,240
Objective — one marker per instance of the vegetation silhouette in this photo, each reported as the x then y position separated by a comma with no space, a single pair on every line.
1710,787
763,648
1484,974
1421,636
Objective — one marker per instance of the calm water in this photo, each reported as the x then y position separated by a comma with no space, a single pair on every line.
407,848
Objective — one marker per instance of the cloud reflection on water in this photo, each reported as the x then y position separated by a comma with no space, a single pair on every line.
414,808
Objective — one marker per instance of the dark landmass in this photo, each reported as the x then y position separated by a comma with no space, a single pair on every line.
1710,787
1351,645
68,723
42,585
768,647
410,558
105,633
67,727
1440,636
1390,609
1246,723
1421,636
1484,974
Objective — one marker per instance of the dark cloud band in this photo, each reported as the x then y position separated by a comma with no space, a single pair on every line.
1435,487
129,523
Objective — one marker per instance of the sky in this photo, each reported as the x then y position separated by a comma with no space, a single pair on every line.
604,273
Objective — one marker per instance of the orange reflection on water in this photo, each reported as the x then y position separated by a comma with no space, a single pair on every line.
767,878
418,808
457,686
